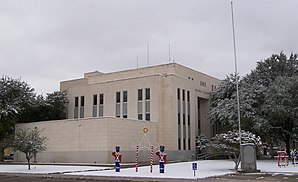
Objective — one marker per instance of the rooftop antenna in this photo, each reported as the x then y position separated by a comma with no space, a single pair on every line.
236,72
147,54
169,53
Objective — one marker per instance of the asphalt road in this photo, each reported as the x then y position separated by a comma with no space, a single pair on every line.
67,178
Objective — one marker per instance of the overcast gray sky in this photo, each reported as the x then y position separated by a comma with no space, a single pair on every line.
48,41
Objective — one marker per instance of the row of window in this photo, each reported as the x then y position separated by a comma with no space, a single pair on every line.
76,107
98,105
185,129
213,87
124,104
202,83
147,104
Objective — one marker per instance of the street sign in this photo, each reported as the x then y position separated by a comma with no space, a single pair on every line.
194,168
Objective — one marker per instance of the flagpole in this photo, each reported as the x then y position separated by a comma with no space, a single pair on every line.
236,73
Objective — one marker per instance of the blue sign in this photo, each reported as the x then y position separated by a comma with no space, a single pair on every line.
194,166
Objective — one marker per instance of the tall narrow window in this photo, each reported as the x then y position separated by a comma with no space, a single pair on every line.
147,104
199,116
100,114
118,104
183,106
82,107
184,119
188,119
179,118
140,104
94,109
124,112
76,108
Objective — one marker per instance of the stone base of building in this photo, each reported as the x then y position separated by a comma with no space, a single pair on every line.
93,140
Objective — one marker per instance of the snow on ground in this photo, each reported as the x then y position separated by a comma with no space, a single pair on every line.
176,170
46,169
272,167
206,168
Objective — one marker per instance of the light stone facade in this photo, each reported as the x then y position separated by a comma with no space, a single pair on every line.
109,109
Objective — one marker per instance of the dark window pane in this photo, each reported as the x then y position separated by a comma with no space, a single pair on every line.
100,98
183,95
94,100
178,93
76,101
188,120
124,96
147,93
147,117
82,101
188,96
140,117
140,94
117,97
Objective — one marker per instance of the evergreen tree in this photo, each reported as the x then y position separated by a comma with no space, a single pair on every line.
281,108
51,107
19,103
265,104
223,110
14,94
263,85
56,103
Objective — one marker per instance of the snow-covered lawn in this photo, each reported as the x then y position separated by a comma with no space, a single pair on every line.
206,168
178,170
271,167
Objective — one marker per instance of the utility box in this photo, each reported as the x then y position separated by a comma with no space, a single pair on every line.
248,157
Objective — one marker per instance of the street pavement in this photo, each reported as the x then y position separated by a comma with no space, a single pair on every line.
253,177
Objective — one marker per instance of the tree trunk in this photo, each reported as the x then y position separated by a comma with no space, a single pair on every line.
1,154
28,164
287,141
28,159
236,161
271,150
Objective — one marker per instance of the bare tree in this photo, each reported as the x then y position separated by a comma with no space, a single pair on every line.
30,142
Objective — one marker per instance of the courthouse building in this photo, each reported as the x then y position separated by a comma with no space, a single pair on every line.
109,109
